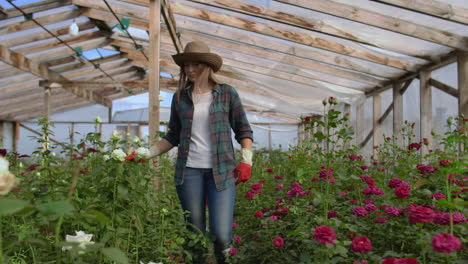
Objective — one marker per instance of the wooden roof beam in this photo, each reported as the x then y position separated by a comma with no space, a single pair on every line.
36,7
383,21
40,69
443,61
285,33
292,34
279,69
309,23
19,24
455,13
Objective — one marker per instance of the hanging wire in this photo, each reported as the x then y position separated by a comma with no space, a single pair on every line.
138,47
61,41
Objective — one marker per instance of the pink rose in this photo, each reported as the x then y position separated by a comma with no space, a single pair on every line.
278,242
360,211
421,214
233,251
403,191
445,243
438,196
361,244
406,261
324,234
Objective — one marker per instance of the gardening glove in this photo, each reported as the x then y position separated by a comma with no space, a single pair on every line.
154,152
243,171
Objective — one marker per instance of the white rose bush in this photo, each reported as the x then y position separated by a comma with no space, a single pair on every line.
94,202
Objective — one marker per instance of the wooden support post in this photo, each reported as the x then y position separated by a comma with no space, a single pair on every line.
16,135
72,134
47,100
360,124
109,117
377,131
1,134
140,131
463,84
397,113
425,112
463,88
154,39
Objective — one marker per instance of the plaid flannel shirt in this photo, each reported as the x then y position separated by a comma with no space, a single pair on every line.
226,112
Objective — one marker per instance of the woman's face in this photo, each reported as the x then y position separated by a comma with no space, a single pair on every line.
193,70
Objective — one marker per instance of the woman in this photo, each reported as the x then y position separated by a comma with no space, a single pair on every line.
203,112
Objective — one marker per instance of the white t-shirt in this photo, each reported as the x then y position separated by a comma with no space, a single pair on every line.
200,143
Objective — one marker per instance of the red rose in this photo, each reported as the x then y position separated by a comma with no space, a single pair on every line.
406,261
361,244
445,243
278,242
324,234
388,261
403,191
421,214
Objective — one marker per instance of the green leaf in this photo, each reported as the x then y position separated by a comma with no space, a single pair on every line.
446,204
55,208
98,216
115,254
11,206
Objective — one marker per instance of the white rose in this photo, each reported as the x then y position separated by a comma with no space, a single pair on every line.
136,139
8,181
116,134
118,154
143,152
4,164
106,157
98,119
161,97
81,238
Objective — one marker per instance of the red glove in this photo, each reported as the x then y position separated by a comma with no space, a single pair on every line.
242,172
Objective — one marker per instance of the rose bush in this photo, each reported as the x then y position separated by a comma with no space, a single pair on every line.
333,205
104,192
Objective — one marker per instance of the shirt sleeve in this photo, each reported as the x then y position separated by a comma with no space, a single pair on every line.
173,128
238,117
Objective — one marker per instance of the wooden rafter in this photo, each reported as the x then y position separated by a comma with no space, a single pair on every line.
439,9
40,69
309,23
19,24
28,36
291,34
383,21
36,7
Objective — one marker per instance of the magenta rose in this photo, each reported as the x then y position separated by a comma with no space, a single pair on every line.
421,214
233,251
406,261
361,244
381,220
392,211
360,211
324,234
438,196
278,242
445,243
395,182
403,191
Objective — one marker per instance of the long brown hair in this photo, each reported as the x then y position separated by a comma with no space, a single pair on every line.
184,82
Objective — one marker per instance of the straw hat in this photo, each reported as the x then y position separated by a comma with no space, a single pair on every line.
197,51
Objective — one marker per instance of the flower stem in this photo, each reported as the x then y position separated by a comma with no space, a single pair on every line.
2,260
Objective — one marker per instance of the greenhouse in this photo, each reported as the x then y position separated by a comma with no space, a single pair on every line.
355,115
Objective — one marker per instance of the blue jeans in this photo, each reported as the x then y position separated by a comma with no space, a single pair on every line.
197,187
